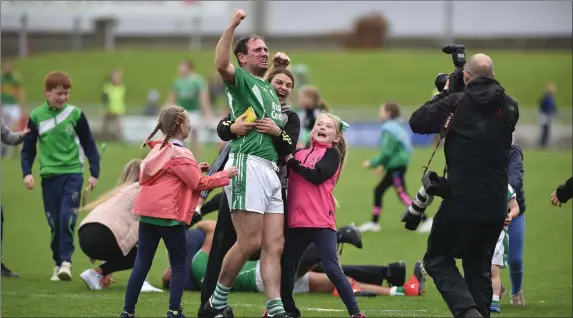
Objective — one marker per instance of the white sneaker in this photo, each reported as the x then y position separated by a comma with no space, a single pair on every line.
55,272
426,226
147,288
91,278
65,272
370,226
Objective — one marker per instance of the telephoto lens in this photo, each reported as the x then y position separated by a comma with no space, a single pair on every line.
440,82
413,214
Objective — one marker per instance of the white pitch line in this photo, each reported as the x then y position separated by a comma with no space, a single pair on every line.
377,310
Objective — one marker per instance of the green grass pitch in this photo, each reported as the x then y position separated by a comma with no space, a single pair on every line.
548,248
345,78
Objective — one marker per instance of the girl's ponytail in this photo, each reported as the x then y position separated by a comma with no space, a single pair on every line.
155,130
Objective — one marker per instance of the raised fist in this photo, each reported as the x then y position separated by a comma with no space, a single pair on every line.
237,16
281,60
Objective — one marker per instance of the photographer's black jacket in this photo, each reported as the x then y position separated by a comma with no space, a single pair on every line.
476,147
565,191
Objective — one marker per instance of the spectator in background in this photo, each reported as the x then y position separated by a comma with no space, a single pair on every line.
547,110
217,90
300,72
113,98
311,104
190,91
152,107
12,100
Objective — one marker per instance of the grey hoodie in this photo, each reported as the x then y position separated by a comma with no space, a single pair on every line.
9,137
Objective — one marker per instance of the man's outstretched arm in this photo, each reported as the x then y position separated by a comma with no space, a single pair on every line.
224,48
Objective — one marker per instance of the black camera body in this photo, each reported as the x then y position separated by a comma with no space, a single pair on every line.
432,185
458,53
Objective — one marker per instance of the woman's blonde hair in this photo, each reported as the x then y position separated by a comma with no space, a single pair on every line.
129,176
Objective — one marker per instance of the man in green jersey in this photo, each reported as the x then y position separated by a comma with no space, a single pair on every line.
62,134
499,259
254,196
190,91
366,279
12,100
12,95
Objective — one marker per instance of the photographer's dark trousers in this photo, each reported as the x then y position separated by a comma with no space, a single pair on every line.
392,178
473,242
61,195
98,242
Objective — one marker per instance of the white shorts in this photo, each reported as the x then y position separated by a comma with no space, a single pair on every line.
11,113
195,119
500,253
301,285
257,187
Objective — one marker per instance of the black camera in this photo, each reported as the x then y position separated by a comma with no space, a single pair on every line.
458,53
432,185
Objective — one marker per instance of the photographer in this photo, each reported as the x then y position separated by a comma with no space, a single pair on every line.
479,121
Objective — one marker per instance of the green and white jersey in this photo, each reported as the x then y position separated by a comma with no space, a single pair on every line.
59,146
251,91
246,280
11,84
188,91
510,193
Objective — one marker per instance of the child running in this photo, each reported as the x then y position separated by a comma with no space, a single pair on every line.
499,259
314,173
392,161
171,182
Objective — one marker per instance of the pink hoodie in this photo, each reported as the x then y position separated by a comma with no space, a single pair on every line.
171,183
313,173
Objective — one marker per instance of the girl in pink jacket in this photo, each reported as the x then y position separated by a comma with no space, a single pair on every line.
170,182
313,173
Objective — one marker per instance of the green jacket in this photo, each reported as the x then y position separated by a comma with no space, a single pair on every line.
395,147
63,137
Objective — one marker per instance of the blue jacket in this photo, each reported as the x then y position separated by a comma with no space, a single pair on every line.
516,175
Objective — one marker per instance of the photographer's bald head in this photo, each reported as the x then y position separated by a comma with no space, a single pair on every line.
478,66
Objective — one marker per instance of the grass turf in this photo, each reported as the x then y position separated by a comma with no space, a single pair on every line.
548,249
346,79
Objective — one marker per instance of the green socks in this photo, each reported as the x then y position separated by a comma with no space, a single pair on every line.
397,291
220,297
275,307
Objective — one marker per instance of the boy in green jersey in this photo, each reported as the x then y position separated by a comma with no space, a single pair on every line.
190,91
254,196
499,259
62,134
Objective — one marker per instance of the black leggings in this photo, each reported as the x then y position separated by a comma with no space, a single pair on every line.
393,177
98,242
297,241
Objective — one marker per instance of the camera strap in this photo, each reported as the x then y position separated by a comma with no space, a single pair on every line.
443,132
